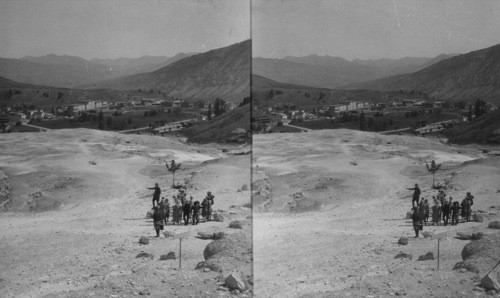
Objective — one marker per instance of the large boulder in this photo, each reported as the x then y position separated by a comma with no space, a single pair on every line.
235,282
233,252
482,253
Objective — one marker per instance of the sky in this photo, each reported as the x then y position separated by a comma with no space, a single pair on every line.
373,29
120,28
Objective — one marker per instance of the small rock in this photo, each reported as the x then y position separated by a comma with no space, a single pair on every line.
168,234
427,256
402,255
491,281
206,269
244,187
219,235
236,224
494,225
427,234
204,235
403,241
144,240
218,217
234,282
145,255
477,218
169,256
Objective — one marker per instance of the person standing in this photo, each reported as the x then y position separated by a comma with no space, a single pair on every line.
204,208
416,217
470,197
436,212
156,194
426,211
455,209
416,195
466,209
446,212
196,212
187,211
157,221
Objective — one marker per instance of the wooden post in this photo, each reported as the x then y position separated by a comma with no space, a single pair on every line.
180,253
439,241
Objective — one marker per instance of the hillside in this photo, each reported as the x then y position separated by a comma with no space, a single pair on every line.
300,95
70,71
223,73
485,129
462,77
52,70
234,125
42,96
331,72
300,72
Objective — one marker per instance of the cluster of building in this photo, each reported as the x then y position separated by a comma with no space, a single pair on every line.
90,105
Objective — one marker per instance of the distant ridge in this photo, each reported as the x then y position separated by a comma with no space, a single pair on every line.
331,72
462,77
223,72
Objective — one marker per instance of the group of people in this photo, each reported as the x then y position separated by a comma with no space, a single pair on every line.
442,209
182,208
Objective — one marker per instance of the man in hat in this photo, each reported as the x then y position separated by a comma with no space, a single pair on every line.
156,194
416,195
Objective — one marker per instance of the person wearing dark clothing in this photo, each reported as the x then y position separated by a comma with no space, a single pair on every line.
416,195
426,209
156,194
441,197
466,209
455,209
157,221
186,210
196,212
416,217
210,202
204,208
446,212
470,198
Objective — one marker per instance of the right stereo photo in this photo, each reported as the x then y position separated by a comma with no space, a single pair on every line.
376,148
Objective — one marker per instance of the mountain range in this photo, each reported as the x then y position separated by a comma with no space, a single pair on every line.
223,72
462,77
331,72
70,71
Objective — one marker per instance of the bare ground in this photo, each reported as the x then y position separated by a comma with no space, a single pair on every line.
347,247
72,229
